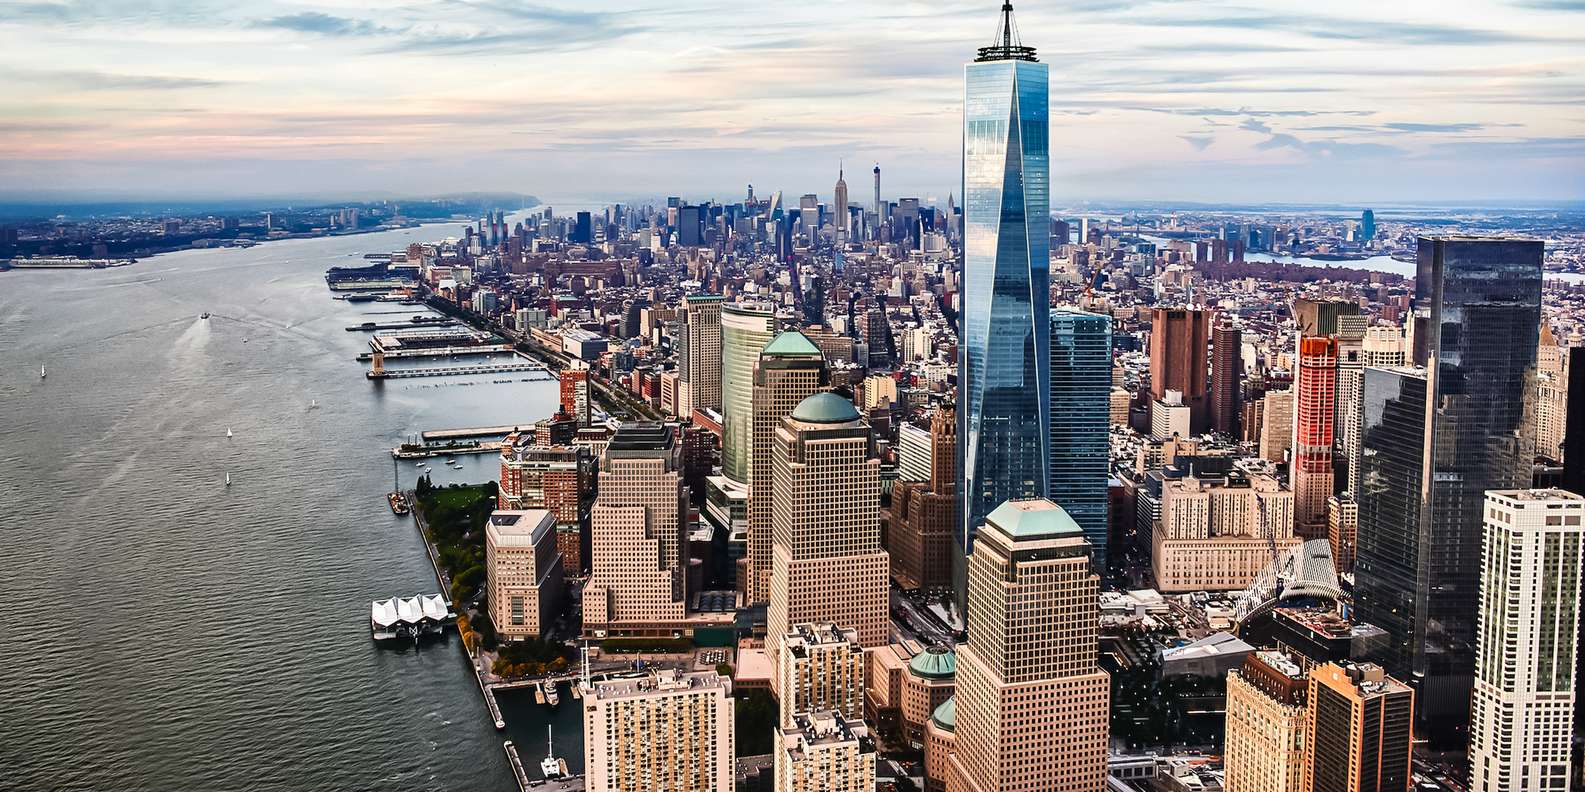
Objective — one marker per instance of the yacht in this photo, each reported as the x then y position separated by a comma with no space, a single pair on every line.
551,697
551,766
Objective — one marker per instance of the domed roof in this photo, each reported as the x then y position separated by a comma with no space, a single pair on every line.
946,715
788,344
825,408
935,662
1034,518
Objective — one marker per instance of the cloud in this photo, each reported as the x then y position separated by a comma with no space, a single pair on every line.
1422,127
1255,125
1354,29
1199,142
81,80
325,25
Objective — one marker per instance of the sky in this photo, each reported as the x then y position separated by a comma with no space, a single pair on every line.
1288,101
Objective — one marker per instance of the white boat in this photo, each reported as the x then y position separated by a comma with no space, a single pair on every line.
42,372
551,697
550,766
228,478
313,404
228,431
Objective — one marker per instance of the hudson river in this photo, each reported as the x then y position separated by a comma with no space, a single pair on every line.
169,632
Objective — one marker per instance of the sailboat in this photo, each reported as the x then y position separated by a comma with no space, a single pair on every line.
42,372
550,765
313,404
228,478
228,431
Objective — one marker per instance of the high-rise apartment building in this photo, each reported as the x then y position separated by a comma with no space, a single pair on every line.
827,565
1342,530
1081,385
1266,714
1315,397
700,361
790,369
665,732
923,513
1434,441
1032,705
1320,318
1522,711
1276,425
745,330
823,752
1346,418
822,668
1358,730
638,536
1178,348
522,572
558,478
1004,381
1227,377
575,396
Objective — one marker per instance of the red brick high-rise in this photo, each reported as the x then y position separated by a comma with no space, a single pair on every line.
1315,393
1227,369
1178,344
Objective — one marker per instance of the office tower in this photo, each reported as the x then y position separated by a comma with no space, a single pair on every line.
1032,704
1551,404
880,210
1266,712
913,453
1574,422
1346,417
790,369
822,668
1358,730
701,360
523,575
575,401
745,330
1315,396
583,229
1276,425
923,514
690,226
1178,339
828,565
1342,530
1217,532
638,535
1477,314
840,199
1169,417
667,732
1004,383
1522,713
1227,377
1321,317
1081,385
1367,225
823,752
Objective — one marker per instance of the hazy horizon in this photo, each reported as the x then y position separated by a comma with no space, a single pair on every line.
1212,102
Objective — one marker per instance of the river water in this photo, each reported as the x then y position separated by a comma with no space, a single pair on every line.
170,632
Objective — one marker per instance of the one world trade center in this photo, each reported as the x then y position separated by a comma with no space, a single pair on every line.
1004,373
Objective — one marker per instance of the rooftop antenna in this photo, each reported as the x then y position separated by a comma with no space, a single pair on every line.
585,653
1006,45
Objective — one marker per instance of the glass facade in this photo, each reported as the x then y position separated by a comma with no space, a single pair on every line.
1471,416
1081,386
1004,380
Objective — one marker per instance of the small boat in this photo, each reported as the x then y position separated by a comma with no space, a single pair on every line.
398,502
228,431
228,478
204,315
313,404
42,372
551,697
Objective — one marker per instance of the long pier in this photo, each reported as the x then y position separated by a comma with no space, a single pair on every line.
450,371
517,766
449,351
458,434
369,327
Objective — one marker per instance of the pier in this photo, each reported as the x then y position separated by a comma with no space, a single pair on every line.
447,351
381,372
426,450
517,765
460,434
435,321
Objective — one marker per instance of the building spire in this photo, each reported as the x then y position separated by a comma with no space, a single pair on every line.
1006,45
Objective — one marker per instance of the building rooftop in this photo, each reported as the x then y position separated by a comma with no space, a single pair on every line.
642,437
825,408
790,343
660,682
946,715
1031,519
936,662
519,528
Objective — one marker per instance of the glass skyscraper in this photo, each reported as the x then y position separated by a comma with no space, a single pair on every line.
1081,387
1004,380
1434,440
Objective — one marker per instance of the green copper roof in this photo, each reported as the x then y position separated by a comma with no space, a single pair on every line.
946,715
790,343
825,408
936,662
1034,519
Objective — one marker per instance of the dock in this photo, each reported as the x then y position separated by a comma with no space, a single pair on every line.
493,705
425,450
370,327
461,434
452,371
517,765
447,351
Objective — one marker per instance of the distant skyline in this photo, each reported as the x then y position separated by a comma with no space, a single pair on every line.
1213,102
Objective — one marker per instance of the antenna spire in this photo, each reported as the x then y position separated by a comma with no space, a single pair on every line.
1006,45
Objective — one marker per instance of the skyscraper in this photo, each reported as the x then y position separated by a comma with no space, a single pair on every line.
1315,394
1265,725
840,199
638,535
701,360
667,732
1032,704
1003,359
1358,730
745,330
1227,375
790,369
1435,439
1367,225
828,565
823,752
923,514
1522,711
1178,339
880,213
1081,386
